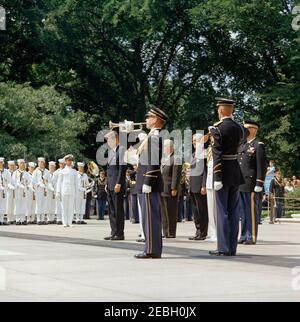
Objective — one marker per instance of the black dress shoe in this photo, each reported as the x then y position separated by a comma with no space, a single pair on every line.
193,238
83,223
141,240
218,254
241,242
249,243
146,256
116,238
59,223
108,238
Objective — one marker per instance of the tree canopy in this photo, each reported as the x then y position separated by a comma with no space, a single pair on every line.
111,58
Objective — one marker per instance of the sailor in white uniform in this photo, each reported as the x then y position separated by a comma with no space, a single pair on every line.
31,203
67,190
22,180
5,180
51,199
58,206
10,205
83,185
40,183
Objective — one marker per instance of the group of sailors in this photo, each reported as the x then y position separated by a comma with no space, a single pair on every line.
34,194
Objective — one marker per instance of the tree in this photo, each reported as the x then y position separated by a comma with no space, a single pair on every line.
38,123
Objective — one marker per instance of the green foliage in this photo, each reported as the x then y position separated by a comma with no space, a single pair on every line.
113,57
38,122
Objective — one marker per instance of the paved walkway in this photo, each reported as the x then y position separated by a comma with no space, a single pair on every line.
50,263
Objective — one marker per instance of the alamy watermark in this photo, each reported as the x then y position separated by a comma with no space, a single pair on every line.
296,20
2,18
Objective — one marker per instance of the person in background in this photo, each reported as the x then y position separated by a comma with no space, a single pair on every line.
83,185
277,196
22,180
101,195
5,179
171,172
134,206
289,187
127,195
269,176
198,191
51,203
31,203
10,206
67,190
58,205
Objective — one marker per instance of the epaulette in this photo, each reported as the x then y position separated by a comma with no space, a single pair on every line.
217,124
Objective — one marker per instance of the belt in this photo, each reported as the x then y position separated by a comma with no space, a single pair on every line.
229,157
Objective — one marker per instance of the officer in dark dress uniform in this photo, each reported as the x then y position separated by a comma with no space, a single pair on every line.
151,184
226,137
116,186
253,163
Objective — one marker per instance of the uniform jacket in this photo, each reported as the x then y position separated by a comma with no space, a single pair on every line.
226,138
253,163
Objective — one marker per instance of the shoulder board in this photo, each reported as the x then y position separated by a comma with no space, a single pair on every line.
156,132
219,123
261,143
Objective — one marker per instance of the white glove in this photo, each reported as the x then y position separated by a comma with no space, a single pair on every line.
258,189
42,186
11,187
218,185
21,186
82,189
147,189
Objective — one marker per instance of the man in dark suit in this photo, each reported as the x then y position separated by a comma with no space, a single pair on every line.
226,137
253,163
150,183
171,172
116,186
198,191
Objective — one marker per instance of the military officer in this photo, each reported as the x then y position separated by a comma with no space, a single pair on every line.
67,187
22,180
58,207
31,203
83,184
253,163
152,184
226,136
40,183
10,206
51,199
5,180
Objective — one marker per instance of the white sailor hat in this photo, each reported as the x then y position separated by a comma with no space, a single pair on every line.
11,162
20,161
69,157
52,163
2,159
31,165
61,161
80,164
42,160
